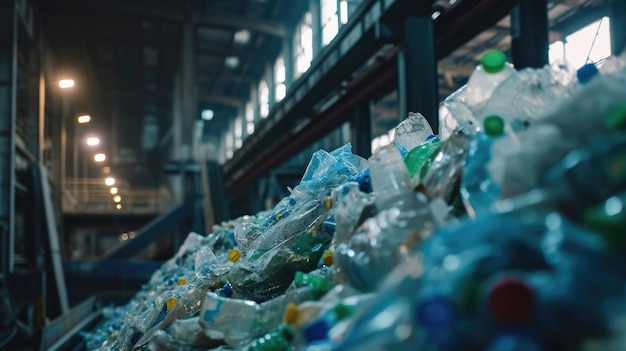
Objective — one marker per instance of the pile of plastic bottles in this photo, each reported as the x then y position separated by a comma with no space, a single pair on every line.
507,232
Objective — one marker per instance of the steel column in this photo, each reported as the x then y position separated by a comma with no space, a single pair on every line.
417,70
361,129
529,33
618,27
8,100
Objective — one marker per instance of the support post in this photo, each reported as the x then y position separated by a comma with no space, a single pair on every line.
529,34
618,27
8,101
361,129
417,70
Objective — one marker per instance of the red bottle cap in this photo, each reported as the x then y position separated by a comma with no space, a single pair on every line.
511,300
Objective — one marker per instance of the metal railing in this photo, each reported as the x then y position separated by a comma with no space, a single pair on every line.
93,196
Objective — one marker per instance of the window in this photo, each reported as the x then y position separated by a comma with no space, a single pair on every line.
590,44
303,45
249,118
238,132
264,99
230,143
330,20
280,77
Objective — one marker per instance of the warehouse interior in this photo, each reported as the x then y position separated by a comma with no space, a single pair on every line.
125,125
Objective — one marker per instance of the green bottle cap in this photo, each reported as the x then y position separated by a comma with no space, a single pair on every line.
609,220
493,61
343,311
300,278
617,118
321,284
493,125
286,332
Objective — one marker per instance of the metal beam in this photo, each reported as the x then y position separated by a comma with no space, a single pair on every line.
225,78
275,139
152,231
269,27
220,99
221,51
8,110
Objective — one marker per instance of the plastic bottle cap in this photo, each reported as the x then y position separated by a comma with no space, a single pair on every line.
234,255
328,258
321,284
609,224
514,341
436,313
329,202
586,73
617,118
300,278
170,282
171,302
227,290
291,314
182,281
316,331
343,311
279,216
493,61
286,332
493,125
511,300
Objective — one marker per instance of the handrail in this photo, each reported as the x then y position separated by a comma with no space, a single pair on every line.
92,195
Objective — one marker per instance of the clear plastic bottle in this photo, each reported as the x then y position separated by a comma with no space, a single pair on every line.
492,71
478,190
411,132
390,177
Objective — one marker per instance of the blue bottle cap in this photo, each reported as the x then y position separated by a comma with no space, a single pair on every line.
227,290
436,313
514,342
170,282
317,330
586,73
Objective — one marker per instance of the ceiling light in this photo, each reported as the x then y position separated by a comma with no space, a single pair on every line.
242,36
117,198
131,235
118,206
84,119
93,141
124,236
113,190
99,157
109,181
66,83
207,115
106,170
231,61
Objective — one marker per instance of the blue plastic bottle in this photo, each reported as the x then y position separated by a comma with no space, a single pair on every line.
478,190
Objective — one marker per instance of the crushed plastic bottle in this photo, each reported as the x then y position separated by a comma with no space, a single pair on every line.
411,132
519,273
